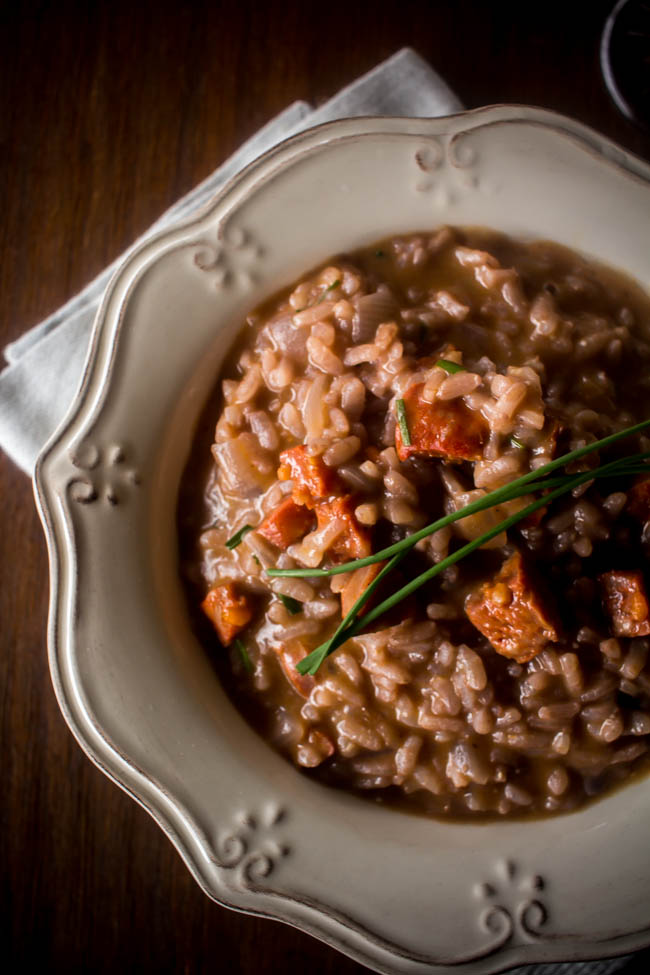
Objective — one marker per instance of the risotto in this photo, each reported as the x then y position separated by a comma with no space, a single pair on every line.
389,388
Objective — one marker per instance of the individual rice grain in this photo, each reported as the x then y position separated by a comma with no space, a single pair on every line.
349,665
406,756
398,511
400,487
558,781
442,696
561,742
482,721
359,732
264,429
464,765
249,386
635,659
458,384
342,451
319,312
517,794
612,727
572,673
558,713
323,358
322,609
290,418
293,588
313,408
367,514
427,778
471,668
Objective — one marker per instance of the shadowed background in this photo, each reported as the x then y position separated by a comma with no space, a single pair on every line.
108,113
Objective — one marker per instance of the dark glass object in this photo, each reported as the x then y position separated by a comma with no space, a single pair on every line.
625,58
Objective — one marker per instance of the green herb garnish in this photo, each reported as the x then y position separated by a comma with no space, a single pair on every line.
256,560
243,652
517,443
380,253
403,422
238,537
449,366
290,603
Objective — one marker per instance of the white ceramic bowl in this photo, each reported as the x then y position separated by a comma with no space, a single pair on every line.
397,892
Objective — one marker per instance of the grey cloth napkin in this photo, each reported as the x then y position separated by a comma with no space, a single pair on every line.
45,365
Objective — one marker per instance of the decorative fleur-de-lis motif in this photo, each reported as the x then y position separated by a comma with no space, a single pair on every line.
231,259
105,474
251,847
512,906
446,167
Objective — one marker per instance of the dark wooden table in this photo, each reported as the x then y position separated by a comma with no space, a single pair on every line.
108,113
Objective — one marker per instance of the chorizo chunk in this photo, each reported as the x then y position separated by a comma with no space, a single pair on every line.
286,524
312,478
625,599
446,428
229,611
511,613
354,540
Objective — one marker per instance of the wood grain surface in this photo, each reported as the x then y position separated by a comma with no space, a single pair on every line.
108,113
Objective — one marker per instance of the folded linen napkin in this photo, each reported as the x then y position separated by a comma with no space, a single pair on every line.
45,365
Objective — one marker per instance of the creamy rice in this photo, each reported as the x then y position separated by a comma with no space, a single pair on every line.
517,682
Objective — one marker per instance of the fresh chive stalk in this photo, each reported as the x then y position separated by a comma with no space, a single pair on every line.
243,652
449,366
291,604
529,482
238,537
403,422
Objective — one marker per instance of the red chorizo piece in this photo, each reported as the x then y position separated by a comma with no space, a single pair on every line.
286,524
289,655
354,541
511,613
312,478
229,611
625,599
446,428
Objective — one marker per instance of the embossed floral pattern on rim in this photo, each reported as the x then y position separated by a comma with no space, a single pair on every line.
507,895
